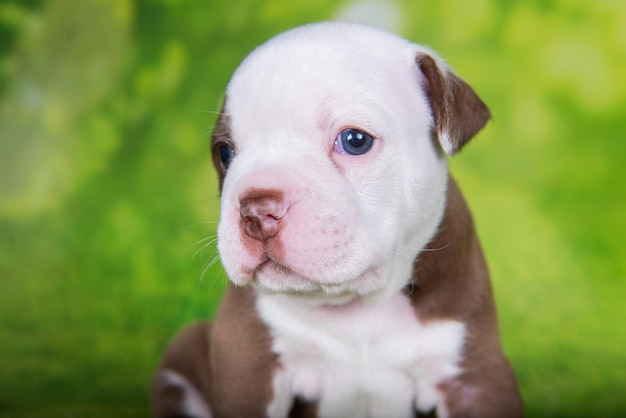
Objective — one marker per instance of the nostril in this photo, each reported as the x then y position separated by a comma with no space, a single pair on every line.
261,228
261,214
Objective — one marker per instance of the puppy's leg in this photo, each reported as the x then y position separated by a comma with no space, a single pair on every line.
491,392
182,380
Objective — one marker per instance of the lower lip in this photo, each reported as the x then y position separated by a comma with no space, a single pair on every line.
281,279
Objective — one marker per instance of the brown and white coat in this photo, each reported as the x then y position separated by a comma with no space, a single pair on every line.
359,287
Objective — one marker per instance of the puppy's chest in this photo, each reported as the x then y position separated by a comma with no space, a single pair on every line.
361,360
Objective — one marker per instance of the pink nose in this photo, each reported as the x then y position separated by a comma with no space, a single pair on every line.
261,213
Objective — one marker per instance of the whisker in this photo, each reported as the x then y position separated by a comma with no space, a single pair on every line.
221,279
203,243
221,273
212,112
211,223
208,266
409,250
206,131
436,249
204,247
211,226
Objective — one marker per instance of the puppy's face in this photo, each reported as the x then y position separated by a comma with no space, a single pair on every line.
331,179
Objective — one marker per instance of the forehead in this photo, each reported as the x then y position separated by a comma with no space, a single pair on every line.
312,72
317,51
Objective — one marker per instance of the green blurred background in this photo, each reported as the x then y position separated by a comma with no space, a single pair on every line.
108,201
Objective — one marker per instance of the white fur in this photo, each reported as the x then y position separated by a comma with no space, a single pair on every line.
193,403
355,223
330,292
362,359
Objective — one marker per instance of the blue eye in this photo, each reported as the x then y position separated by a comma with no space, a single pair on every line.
226,153
354,142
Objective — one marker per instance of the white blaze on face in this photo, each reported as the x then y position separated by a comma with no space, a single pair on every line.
354,223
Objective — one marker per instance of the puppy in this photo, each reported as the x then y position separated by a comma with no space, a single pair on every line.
359,288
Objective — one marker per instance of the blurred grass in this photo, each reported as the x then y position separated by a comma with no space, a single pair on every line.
107,191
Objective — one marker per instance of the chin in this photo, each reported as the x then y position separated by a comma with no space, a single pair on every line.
274,279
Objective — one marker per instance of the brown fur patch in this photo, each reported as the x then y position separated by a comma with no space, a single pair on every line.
241,357
459,113
221,135
451,281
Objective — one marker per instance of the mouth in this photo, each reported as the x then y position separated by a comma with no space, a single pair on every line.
273,277
275,266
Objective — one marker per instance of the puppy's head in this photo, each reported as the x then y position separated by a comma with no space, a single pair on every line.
330,151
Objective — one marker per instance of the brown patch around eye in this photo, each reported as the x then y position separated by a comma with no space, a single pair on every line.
221,137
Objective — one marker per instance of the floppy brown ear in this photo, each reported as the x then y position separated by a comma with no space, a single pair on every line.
459,113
